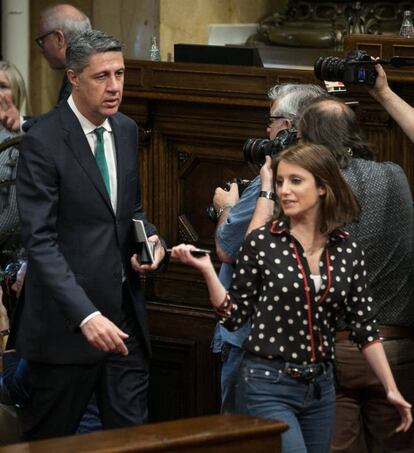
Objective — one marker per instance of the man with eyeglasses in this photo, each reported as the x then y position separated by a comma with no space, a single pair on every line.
57,26
287,101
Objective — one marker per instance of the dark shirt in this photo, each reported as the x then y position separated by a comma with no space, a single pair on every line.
272,285
385,230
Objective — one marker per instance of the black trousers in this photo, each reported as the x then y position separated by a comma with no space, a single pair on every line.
60,393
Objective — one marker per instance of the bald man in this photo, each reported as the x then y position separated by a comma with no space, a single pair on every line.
56,27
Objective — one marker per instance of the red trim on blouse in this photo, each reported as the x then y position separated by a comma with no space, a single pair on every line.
370,344
224,309
308,301
328,268
278,230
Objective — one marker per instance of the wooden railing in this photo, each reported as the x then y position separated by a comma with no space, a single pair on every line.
211,434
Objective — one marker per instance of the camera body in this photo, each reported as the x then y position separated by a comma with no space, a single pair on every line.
357,68
255,150
211,212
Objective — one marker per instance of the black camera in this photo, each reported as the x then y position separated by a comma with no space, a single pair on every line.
211,212
255,150
358,67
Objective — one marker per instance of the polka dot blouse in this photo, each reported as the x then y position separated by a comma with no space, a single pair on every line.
290,320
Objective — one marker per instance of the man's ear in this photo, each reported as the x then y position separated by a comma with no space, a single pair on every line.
288,123
73,78
61,39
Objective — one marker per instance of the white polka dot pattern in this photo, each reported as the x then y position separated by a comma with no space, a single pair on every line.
297,323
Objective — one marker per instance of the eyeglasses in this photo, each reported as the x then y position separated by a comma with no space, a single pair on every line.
270,119
40,41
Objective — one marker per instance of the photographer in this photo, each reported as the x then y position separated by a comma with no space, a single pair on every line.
359,68
402,112
365,421
287,101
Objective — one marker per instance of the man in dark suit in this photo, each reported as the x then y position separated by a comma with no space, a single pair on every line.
82,325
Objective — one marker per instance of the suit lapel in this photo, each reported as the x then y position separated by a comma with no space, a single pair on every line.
120,144
78,144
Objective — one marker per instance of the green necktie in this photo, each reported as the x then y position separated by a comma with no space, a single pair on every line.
100,157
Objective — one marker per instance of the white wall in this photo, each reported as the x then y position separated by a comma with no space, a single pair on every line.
15,34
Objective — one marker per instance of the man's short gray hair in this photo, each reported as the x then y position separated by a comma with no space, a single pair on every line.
70,20
87,44
292,98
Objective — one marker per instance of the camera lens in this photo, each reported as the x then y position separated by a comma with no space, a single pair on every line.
355,68
256,149
329,68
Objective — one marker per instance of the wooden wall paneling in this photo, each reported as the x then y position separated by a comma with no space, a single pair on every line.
172,389
196,148
183,370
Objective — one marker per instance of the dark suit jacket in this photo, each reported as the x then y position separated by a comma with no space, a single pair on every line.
77,245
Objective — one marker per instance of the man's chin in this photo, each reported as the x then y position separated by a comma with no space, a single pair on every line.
109,111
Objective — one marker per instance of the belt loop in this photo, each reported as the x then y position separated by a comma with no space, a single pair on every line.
225,351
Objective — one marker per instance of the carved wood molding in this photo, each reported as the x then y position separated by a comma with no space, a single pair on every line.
321,24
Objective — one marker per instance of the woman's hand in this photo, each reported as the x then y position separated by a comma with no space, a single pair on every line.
182,252
216,290
404,408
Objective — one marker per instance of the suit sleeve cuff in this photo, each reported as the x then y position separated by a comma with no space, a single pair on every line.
92,315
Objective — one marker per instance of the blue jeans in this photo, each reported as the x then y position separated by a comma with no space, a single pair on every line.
273,394
230,369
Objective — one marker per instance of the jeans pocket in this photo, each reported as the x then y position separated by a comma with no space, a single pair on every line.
260,384
261,374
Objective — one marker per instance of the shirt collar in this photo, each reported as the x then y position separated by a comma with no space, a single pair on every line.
281,226
86,125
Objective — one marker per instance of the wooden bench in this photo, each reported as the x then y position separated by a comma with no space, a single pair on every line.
215,433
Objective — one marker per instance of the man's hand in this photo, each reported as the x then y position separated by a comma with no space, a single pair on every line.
9,115
226,198
159,254
104,335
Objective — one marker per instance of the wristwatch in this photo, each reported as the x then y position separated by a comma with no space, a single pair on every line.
222,209
268,195
5,332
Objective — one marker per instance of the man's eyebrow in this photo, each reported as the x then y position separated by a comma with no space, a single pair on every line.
106,71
